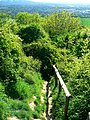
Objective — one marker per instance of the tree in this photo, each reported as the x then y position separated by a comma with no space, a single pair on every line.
25,18
15,66
3,18
11,26
33,32
59,23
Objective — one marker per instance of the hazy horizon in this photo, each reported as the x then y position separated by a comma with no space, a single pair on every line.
64,1
54,1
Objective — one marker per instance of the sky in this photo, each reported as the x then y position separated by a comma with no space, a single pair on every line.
64,1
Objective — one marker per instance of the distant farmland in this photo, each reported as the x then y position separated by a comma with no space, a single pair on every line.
85,21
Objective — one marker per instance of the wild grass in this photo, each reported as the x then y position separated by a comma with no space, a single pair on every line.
85,21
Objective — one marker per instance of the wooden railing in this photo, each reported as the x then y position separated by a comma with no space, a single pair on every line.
68,95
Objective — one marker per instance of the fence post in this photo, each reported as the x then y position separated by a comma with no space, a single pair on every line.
56,81
59,87
66,108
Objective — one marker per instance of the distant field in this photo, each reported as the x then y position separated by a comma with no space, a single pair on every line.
85,21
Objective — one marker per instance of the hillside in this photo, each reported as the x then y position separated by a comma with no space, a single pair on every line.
30,44
15,2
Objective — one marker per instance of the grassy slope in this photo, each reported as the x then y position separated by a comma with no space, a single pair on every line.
85,21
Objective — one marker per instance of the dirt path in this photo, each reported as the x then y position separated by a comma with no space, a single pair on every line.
47,115
49,103
12,118
43,93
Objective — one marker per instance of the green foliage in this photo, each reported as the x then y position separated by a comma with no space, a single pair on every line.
25,18
46,53
27,58
11,26
3,18
4,110
10,51
20,109
76,42
76,76
2,89
23,89
17,73
85,21
38,109
15,108
33,32
59,23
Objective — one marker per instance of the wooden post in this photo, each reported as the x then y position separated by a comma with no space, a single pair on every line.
59,88
66,109
56,83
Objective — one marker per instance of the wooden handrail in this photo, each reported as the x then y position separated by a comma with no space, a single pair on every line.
62,82
68,95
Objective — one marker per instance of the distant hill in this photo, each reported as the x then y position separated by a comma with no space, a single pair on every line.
14,6
15,2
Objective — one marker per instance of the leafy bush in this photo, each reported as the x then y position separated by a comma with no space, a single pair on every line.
31,33
11,26
23,89
46,53
4,110
60,23
3,18
25,18
76,76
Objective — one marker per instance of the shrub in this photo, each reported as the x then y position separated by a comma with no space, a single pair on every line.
23,89
33,32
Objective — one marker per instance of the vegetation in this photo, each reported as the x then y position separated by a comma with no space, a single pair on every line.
85,21
29,46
